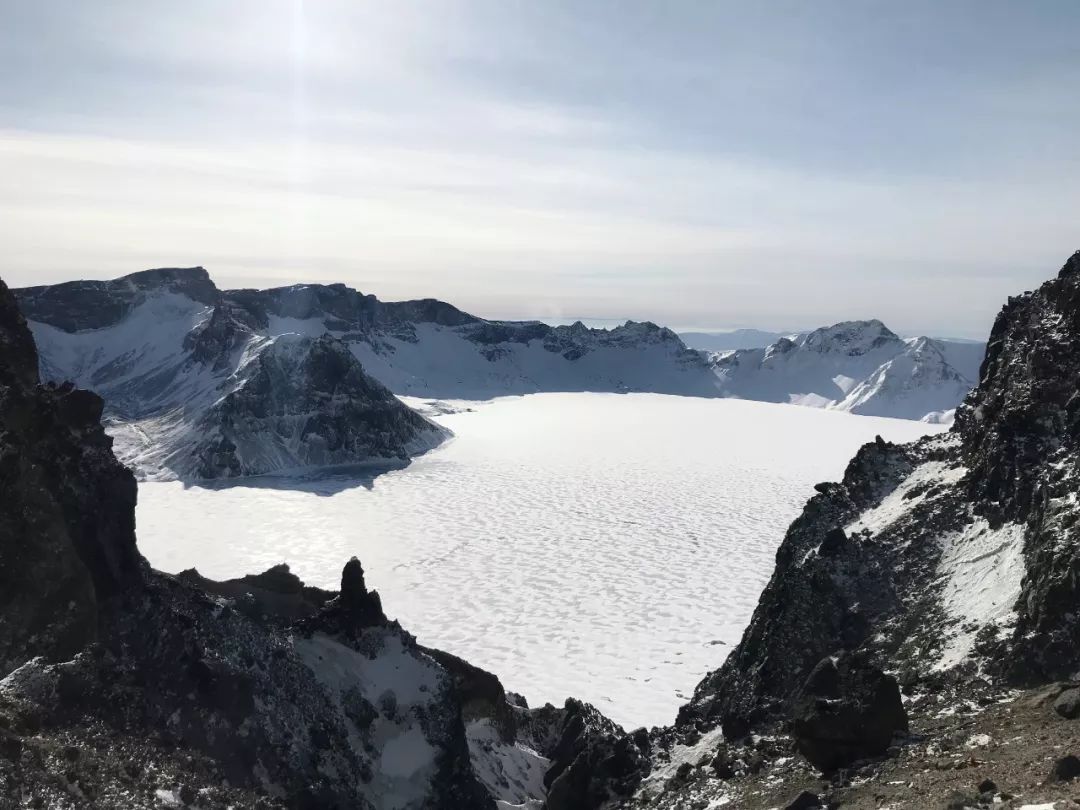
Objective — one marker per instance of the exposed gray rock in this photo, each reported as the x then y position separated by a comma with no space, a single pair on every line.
594,761
1068,704
301,404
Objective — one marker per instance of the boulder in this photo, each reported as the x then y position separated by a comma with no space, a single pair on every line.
847,710
804,801
1065,769
1068,704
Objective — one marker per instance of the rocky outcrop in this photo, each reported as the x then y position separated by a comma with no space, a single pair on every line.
67,533
955,554
944,569
300,403
1021,442
79,306
594,761
832,587
196,388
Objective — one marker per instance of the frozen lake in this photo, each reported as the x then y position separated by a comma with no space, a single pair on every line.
610,547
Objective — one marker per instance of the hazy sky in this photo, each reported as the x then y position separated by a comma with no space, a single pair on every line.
708,164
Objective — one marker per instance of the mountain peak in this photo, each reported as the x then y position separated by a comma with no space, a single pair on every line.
77,306
1072,266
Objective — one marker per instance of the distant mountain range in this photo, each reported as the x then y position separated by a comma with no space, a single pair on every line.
857,366
206,383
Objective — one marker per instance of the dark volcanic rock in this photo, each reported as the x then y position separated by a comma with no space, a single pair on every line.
1065,769
1011,464
594,761
305,403
1021,440
67,529
804,801
825,594
481,694
1068,704
277,594
847,710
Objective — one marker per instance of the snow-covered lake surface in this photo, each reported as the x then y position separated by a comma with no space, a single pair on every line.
606,546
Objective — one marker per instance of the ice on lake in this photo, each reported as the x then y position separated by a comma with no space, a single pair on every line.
606,546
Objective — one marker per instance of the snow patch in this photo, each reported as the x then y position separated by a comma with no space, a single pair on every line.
414,682
982,570
907,495
692,754
512,773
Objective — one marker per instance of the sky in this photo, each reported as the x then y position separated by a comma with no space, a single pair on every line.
703,164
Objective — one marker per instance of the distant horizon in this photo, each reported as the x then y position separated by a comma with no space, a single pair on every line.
592,321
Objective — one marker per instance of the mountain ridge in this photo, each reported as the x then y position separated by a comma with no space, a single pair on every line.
164,340
861,367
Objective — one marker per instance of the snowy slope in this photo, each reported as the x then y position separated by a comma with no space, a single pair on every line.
856,366
193,391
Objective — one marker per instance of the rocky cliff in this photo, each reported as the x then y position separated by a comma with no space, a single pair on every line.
196,388
956,554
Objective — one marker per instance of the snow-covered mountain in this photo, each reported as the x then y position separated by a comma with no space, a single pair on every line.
203,383
857,366
195,388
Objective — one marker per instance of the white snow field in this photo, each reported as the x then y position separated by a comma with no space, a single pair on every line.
606,546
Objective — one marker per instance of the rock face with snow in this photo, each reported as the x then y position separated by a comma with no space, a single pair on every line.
196,387
303,402
857,366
